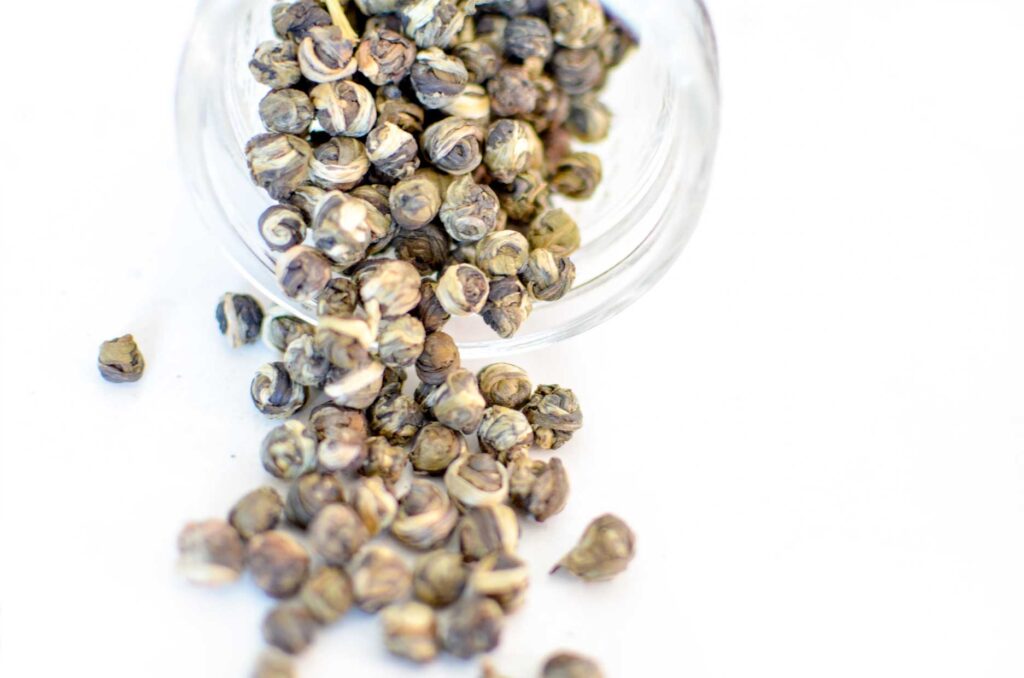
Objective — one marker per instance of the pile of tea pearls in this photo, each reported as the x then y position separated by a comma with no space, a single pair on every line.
378,467
432,133
413,146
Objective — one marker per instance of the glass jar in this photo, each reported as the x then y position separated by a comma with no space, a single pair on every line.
657,162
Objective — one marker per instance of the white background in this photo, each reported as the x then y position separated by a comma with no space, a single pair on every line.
814,423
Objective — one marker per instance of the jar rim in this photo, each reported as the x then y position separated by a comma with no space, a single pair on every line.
663,214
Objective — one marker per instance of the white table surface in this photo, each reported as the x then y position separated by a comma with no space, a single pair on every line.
815,422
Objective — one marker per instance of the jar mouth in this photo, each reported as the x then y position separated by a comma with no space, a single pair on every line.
657,162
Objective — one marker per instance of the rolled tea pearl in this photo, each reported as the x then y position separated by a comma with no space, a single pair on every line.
287,111
303,272
325,55
282,227
453,145
344,108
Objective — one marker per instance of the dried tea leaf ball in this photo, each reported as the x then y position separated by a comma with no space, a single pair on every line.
337,533
309,494
503,577
569,665
275,64
288,450
393,107
437,78
548,276
410,631
425,248
289,627
578,71
327,594
525,197
305,198
539,488
375,504
339,164
505,385
347,340
430,311
473,626
294,20
343,452
605,550
462,290
287,111
432,23
278,563
303,272
340,299
395,416
435,448
379,577
440,357
470,210
391,283
510,147
415,201
577,175
552,107
457,402
576,23
512,91
502,253
529,36
306,361
488,529
480,58
504,433
439,578
210,553
282,227
344,108
473,105
555,414
357,387
120,360
256,512
401,341
393,152
274,393
453,145
556,232
508,306
273,663
382,226
278,163
342,229
385,56
281,328
329,420
589,120
384,460
477,480
326,55
426,516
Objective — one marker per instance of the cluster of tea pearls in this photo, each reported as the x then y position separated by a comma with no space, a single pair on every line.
432,132
444,470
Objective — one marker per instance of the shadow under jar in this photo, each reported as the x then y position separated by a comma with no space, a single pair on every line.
657,162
